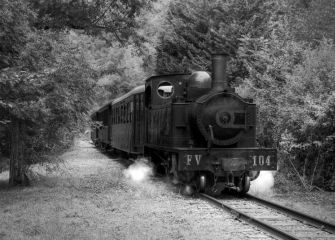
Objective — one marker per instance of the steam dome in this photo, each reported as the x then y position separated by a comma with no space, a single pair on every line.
200,79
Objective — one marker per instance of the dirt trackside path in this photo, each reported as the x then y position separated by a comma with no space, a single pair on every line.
89,197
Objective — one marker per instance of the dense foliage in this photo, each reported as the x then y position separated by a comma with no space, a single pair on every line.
95,17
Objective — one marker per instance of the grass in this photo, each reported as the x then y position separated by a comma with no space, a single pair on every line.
65,204
87,197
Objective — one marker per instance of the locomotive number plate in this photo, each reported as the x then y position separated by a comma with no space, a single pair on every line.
266,160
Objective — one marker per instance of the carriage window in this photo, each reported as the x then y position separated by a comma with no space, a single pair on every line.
127,112
118,114
122,114
165,90
131,110
141,102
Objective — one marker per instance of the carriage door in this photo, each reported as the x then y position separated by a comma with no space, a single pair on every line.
147,113
136,122
142,120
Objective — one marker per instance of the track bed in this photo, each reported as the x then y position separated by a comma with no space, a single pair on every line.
275,219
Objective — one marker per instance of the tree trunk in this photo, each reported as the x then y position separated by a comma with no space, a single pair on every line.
17,170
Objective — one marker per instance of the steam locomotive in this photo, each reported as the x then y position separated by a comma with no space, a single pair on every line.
193,126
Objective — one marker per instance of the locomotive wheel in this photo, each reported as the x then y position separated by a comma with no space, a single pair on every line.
244,184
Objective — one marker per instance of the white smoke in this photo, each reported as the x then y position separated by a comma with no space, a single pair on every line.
188,190
139,171
4,176
263,184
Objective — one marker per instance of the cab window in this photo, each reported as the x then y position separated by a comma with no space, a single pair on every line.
165,90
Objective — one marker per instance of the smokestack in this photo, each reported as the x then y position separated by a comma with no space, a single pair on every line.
219,68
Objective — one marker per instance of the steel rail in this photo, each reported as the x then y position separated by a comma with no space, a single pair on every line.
316,222
249,219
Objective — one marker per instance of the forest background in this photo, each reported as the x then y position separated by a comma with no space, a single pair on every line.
60,59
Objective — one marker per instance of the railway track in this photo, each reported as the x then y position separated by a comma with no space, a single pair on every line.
279,221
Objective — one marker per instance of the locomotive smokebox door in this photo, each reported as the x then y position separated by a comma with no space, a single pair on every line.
225,113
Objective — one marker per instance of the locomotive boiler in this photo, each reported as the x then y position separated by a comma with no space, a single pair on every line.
193,126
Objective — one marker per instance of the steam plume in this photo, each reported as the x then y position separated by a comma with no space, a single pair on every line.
139,171
4,175
263,184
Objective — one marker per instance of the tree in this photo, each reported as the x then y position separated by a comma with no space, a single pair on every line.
15,18
20,106
94,17
197,29
312,20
